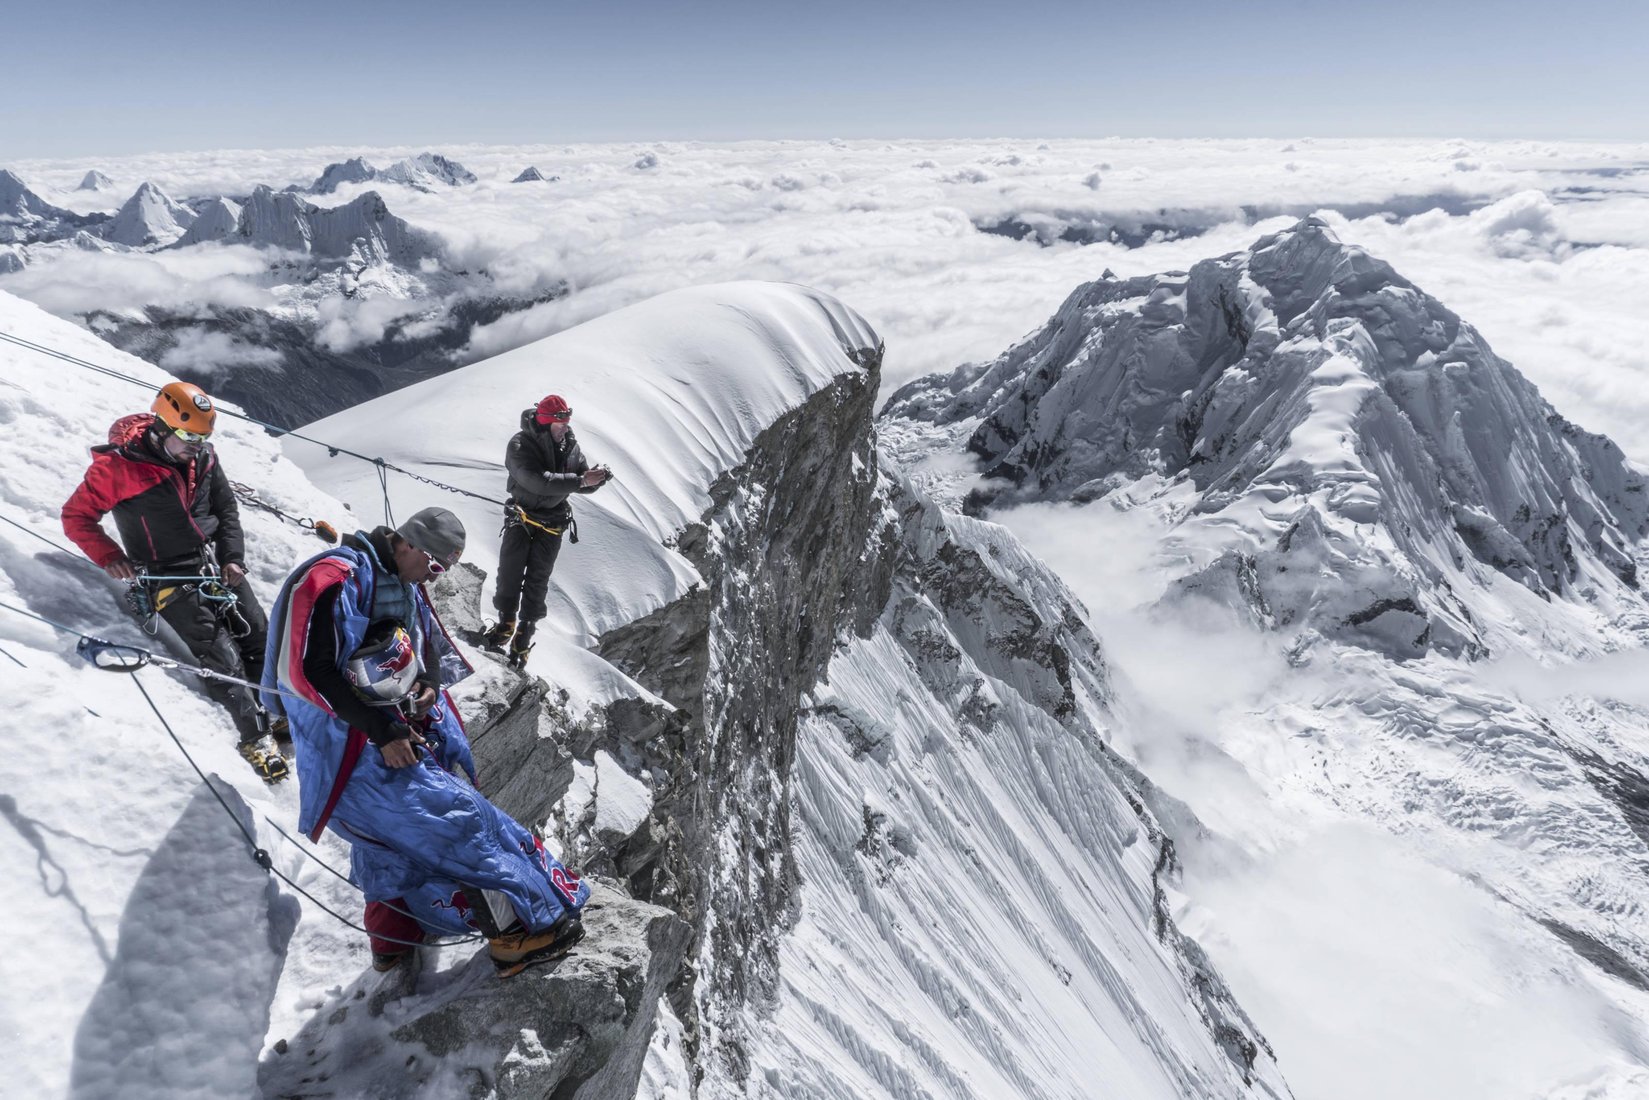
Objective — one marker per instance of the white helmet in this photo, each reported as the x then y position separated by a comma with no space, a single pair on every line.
384,669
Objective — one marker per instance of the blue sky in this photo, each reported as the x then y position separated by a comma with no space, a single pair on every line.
118,78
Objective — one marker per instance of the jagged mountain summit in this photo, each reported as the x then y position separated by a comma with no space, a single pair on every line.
531,174
25,217
424,172
362,229
95,181
333,176
427,171
1359,461
149,217
217,219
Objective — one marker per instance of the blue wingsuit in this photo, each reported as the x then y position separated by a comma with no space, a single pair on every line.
421,833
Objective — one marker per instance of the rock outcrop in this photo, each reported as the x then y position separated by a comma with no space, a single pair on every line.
575,1028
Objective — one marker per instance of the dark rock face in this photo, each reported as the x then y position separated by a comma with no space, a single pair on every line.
575,1028
785,575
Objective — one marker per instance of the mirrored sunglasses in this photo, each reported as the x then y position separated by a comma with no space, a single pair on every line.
435,566
191,437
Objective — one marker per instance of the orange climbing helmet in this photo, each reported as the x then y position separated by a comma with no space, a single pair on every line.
184,406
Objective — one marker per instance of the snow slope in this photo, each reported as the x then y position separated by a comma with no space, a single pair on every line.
153,942
670,394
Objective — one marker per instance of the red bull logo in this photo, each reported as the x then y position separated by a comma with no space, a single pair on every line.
458,902
399,657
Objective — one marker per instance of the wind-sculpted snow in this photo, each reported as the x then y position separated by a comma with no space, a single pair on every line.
1359,459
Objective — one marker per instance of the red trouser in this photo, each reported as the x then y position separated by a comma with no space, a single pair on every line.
382,920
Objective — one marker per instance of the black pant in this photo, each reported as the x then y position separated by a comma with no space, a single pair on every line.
525,562
226,640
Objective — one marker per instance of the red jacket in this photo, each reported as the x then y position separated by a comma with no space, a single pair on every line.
165,514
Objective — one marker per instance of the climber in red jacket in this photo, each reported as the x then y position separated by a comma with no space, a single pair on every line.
176,515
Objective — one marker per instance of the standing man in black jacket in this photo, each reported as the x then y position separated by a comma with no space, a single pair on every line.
545,466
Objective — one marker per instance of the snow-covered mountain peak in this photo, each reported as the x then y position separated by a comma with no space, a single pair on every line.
362,228
426,171
1340,450
218,219
333,176
149,217
531,174
17,201
95,181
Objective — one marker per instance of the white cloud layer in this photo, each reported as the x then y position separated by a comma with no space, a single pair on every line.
1554,271
205,352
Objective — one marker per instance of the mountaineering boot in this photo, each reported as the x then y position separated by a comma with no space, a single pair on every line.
521,645
265,760
385,961
514,952
497,636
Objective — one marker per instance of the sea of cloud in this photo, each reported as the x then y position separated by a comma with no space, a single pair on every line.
1544,246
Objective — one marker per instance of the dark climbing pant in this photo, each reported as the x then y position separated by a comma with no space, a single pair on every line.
225,640
525,562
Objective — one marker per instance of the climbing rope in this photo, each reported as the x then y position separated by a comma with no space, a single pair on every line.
384,466
322,529
93,648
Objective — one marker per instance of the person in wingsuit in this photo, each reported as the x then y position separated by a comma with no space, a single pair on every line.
384,762
175,511
545,466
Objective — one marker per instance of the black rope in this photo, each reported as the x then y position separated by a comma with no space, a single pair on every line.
249,495
259,855
274,429
14,660
345,878
32,533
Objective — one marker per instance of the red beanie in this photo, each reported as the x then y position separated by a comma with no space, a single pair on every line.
554,407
